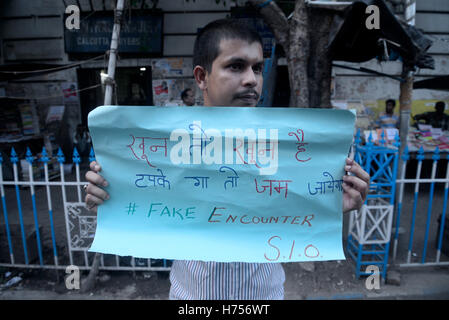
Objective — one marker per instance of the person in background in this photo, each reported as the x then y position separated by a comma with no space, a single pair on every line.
437,118
82,140
388,119
188,97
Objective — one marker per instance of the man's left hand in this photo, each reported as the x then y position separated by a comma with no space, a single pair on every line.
355,186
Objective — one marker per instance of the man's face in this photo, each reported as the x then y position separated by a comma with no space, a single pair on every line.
389,108
236,75
439,109
189,100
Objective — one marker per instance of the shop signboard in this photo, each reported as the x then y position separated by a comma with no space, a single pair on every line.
140,33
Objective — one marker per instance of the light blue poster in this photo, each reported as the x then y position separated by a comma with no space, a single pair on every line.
220,183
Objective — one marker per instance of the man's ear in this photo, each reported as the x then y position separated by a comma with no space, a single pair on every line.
200,75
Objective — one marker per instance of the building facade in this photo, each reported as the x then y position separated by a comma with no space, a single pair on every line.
154,64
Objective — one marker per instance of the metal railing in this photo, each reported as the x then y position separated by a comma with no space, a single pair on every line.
406,208
420,207
45,221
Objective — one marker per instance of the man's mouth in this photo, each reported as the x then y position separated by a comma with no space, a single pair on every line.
248,96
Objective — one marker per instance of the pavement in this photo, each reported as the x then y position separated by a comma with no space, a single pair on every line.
331,280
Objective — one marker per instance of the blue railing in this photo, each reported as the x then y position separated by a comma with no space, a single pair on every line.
25,248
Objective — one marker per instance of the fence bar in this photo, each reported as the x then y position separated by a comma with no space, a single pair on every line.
435,158
5,212
61,160
86,259
405,158
14,160
427,264
44,159
30,159
60,267
420,158
422,180
443,215
76,160
42,183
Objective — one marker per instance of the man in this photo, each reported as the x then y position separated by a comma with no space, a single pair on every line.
437,118
188,97
388,119
228,64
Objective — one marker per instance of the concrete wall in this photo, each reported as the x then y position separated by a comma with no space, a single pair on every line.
39,24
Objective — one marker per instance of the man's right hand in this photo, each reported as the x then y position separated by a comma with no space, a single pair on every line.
95,195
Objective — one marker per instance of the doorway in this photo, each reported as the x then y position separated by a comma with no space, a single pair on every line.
133,88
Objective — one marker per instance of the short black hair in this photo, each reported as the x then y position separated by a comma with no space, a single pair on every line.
393,102
440,104
206,48
184,93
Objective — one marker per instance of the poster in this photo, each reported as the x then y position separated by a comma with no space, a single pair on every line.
221,183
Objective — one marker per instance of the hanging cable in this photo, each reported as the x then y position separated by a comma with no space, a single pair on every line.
68,66
50,97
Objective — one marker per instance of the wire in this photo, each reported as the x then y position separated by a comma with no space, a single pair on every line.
67,66
49,97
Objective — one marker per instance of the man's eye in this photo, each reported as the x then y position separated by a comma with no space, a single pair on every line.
257,69
236,66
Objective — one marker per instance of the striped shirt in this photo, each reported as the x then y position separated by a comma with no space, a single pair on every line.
200,280
388,121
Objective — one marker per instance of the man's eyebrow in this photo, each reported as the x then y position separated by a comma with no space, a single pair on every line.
242,60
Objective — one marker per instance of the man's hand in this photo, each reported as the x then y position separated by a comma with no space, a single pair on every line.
95,195
355,186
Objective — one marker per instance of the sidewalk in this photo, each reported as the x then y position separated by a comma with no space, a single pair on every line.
334,280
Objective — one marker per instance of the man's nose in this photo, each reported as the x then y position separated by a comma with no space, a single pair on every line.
249,78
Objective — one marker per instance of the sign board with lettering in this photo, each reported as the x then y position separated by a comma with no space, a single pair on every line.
221,183
140,34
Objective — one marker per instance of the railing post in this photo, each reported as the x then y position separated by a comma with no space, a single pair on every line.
14,160
30,159
44,159
5,211
420,158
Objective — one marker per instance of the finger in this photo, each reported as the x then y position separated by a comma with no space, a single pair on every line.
354,195
97,192
92,200
356,169
357,183
95,166
96,179
91,207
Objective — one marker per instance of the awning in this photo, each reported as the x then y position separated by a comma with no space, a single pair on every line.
352,41
436,83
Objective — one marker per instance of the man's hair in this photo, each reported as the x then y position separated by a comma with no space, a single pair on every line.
207,43
393,102
440,104
184,93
